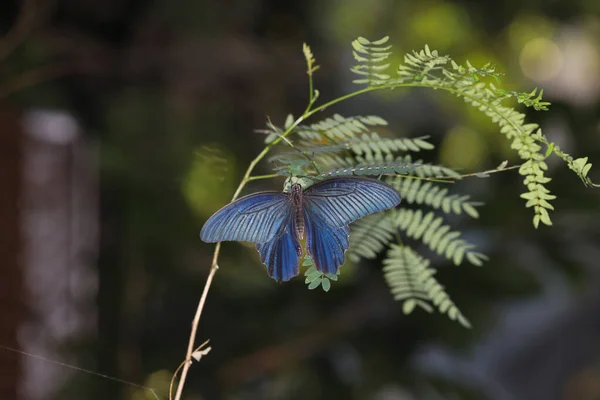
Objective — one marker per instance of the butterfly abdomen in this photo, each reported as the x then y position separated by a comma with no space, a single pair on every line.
296,199
299,222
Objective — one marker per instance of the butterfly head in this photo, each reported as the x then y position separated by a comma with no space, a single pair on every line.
296,189
296,194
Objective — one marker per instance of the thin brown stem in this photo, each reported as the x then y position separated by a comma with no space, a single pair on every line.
491,171
188,359
214,266
173,379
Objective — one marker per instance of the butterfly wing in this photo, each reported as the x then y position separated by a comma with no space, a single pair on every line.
281,254
329,206
326,245
340,201
254,218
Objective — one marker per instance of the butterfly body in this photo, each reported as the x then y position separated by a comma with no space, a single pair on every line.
296,200
277,222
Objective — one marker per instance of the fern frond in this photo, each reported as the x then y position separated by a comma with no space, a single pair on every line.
537,195
417,191
330,161
311,63
272,131
441,72
371,57
369,236
438,237
338,127
368,169
580,166
418,65
315,278
412,281
532,99
371,144
427,170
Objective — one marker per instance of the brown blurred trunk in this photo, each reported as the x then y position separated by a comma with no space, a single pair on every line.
11,302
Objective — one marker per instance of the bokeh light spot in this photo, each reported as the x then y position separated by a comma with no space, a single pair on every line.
463,148
441,25
541,59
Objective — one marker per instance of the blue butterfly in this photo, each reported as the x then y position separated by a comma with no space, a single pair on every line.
278,221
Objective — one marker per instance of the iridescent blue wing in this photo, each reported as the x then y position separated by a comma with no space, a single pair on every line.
254,218
281,254
326,245
340,201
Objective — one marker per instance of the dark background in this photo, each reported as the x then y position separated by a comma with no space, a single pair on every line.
107,110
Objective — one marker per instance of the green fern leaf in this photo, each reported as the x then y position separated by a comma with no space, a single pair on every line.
431,70
371,57
438,237
370,236
367,169
417,191
338,127
315,278
412,281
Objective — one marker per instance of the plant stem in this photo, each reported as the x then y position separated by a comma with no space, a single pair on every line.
214,267
188,359
491,171
258,177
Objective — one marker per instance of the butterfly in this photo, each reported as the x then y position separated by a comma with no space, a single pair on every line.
277,221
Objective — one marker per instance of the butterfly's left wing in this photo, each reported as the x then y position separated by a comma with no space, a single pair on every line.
281,254
326,245
340,201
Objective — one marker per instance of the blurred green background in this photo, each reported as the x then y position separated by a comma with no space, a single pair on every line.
126,123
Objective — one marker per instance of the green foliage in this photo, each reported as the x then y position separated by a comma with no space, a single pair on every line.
338,127
372,146
431,230
428,69
412,281
416,191
426,170
371,57
366,169
370,236
342,146
310,60
314,278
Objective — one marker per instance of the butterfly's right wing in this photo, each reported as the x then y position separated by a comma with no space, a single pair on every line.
254,218
340,201
282,253
330,205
